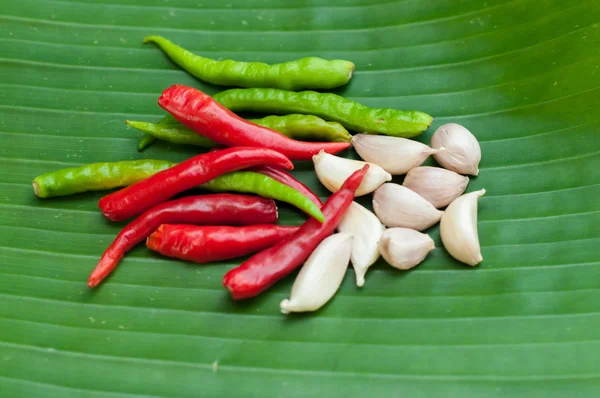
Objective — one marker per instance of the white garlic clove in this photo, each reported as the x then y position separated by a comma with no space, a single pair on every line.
439,186
458,229
366,229
321,275
462,152
332,171
404,248
398,206
394,154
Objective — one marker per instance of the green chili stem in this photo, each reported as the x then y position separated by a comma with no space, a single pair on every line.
148,139
145,141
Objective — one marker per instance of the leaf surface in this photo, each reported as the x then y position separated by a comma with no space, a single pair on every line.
522,75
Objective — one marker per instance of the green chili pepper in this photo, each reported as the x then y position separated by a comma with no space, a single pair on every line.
251,182
148,139
173,133
304,73
109,175
145,141
306,128
351,114
298,127
96,177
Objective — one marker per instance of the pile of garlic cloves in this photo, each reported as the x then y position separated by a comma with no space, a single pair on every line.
427,196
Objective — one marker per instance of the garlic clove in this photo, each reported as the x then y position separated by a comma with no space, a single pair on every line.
321,275
394,154
462,152
458,229
404,248
398,206
366,229
332,171
439,186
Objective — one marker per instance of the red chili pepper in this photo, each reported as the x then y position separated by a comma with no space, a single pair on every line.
286,178
199,112
265,268
206,209
203,244
133,200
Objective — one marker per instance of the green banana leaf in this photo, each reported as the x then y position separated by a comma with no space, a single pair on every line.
522,75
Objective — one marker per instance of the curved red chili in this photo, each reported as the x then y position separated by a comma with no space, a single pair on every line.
265,268
203,244
286,178
206,209
199,112
133,200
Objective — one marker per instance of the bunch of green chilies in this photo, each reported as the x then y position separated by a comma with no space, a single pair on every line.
227,225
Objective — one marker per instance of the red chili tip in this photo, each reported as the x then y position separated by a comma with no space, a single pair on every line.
107,263
105,205
236,291
93,282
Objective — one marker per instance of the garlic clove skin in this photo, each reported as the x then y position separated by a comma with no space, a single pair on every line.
321,275
366,229
458,229
439,186
404,248
394,154
332,171
462,152
398,206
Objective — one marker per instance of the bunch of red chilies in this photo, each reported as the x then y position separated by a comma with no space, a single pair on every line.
229,225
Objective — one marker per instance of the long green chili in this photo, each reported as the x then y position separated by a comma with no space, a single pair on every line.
305,73
351,114
96,177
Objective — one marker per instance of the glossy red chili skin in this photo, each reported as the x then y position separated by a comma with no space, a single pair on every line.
216,209
265,268
135,199
288,179
203,244
199,112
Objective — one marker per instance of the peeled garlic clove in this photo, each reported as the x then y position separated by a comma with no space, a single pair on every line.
398,206
332,171
366,229
321,275
439,186
458,229
396,155
462,152
404,248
